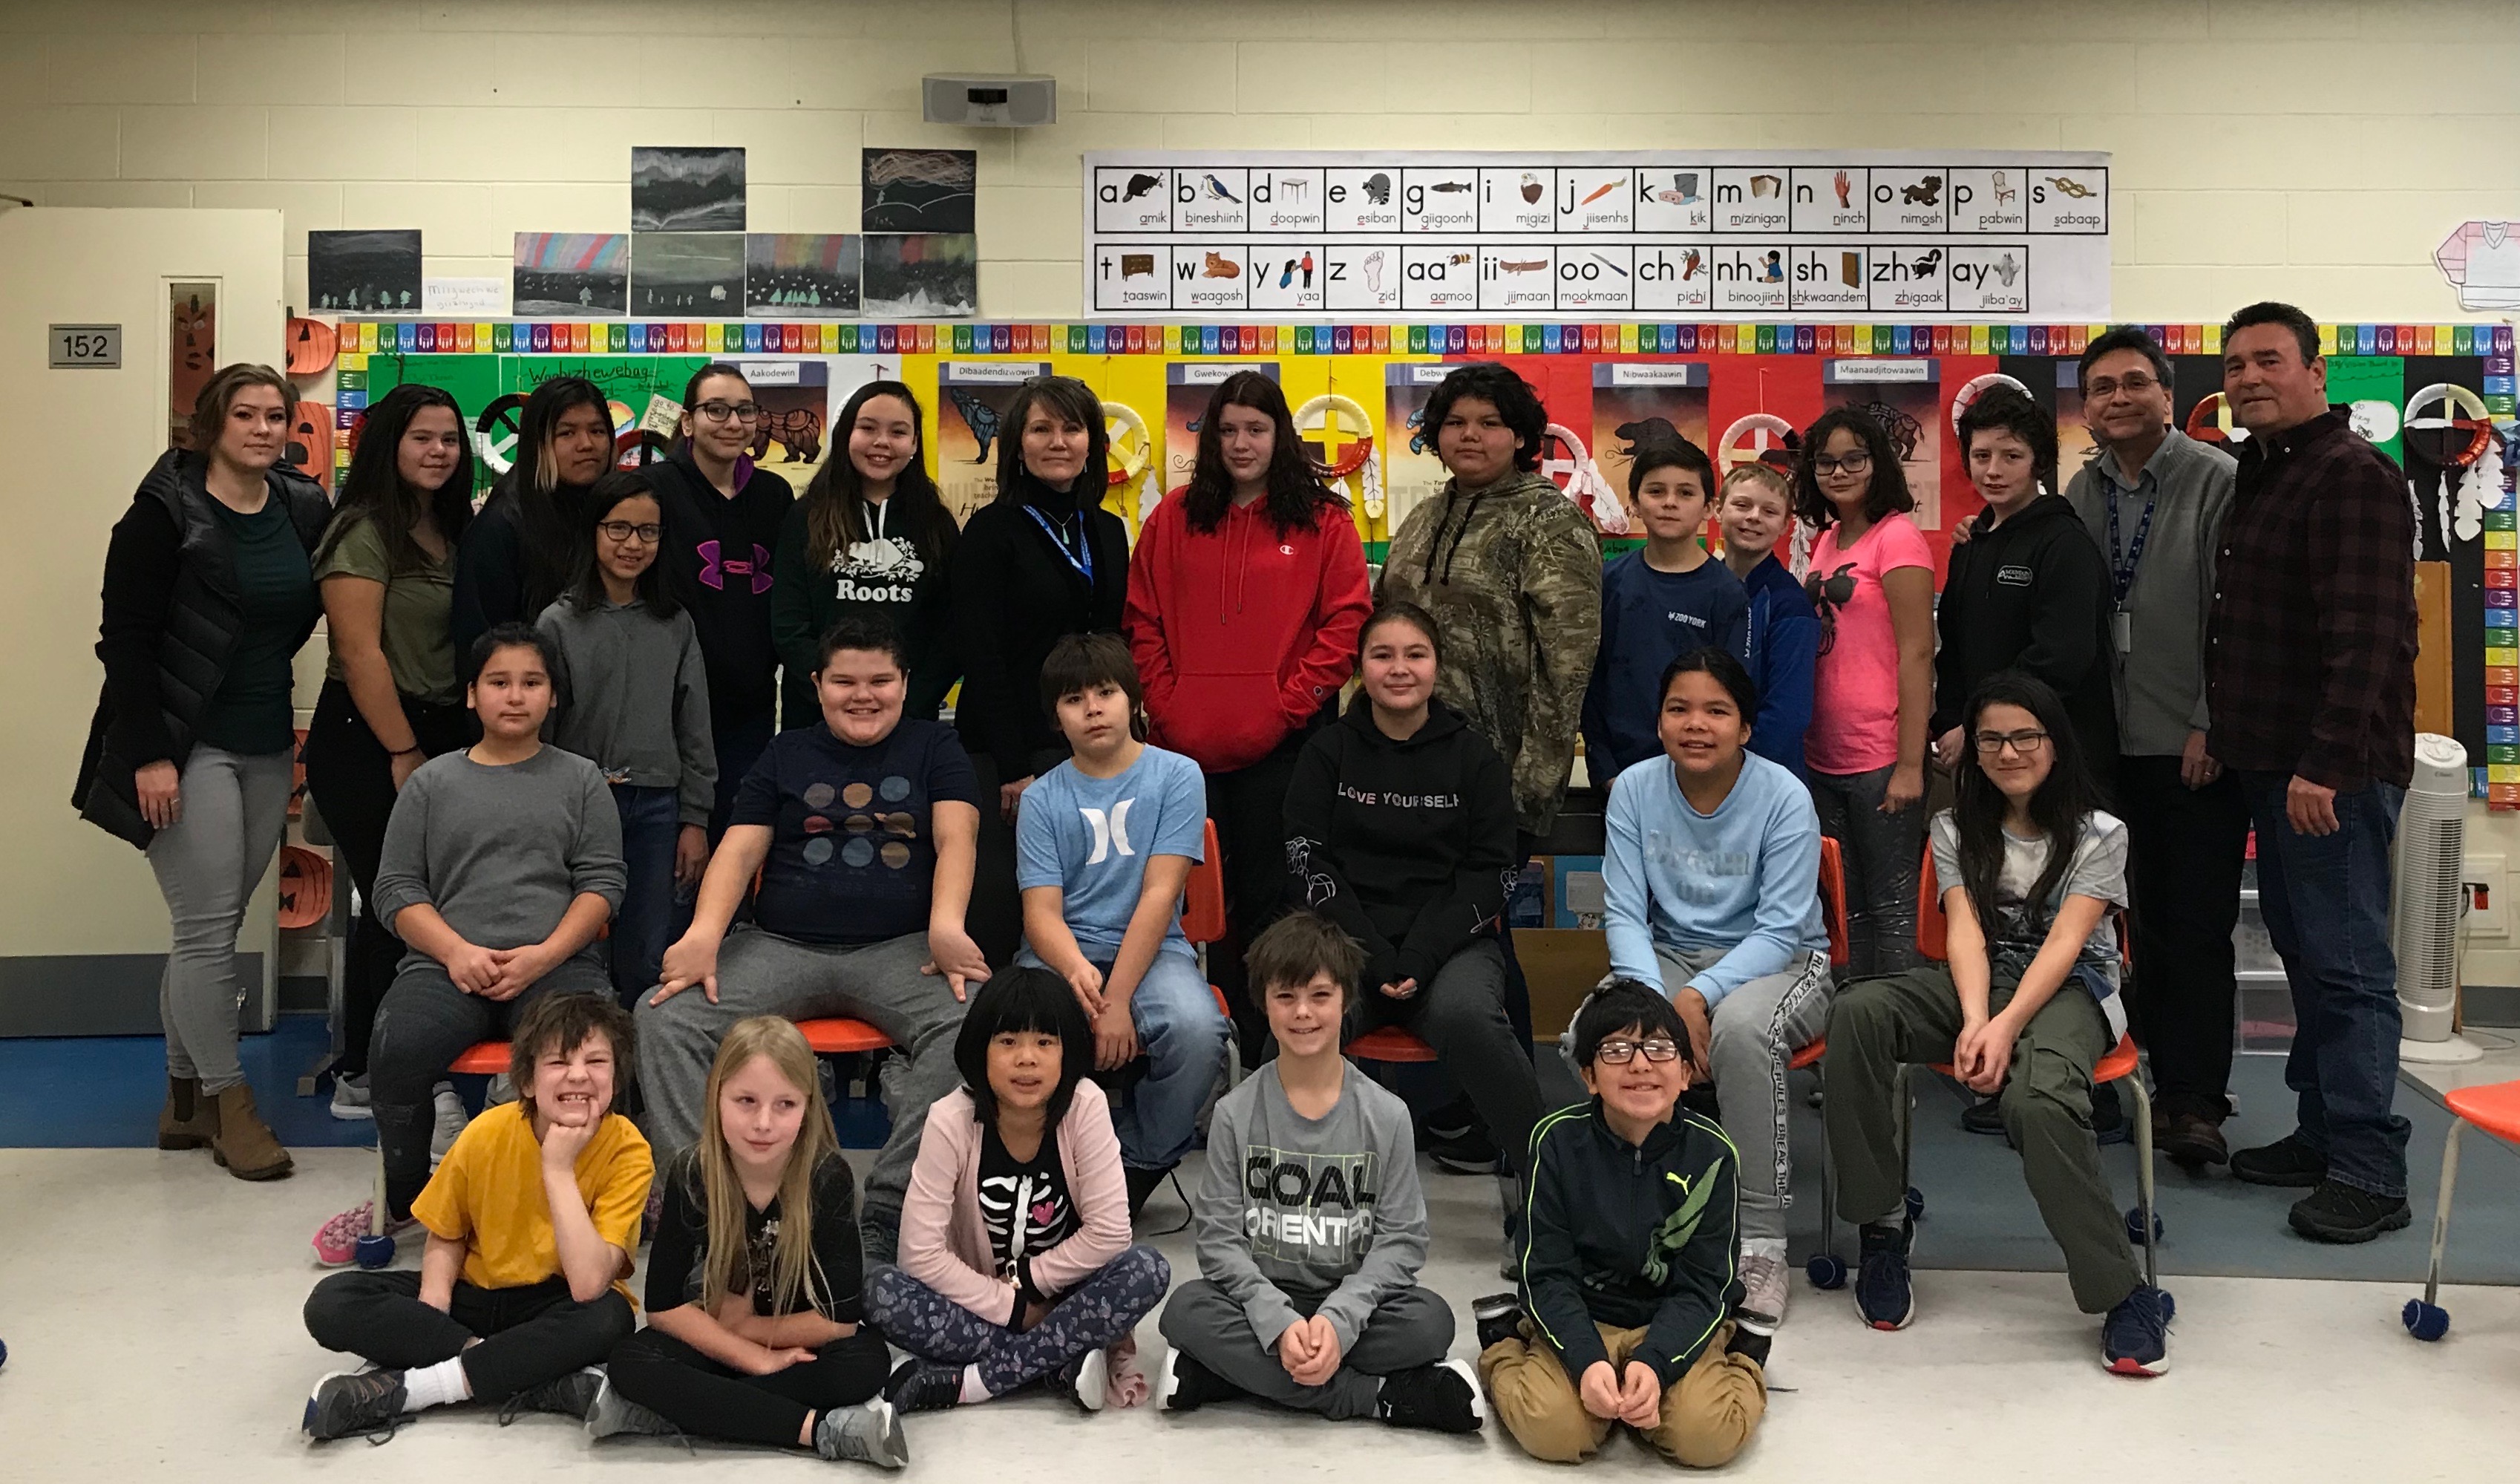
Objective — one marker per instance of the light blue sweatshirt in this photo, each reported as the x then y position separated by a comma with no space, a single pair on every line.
1744,880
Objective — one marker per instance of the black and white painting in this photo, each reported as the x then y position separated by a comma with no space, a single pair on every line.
686,274
919,190
932,276
562,275
675,188
363,272
799,276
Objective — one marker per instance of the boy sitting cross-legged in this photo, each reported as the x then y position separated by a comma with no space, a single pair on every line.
1311,1225
1628,1288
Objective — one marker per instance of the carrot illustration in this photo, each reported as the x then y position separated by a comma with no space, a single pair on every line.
1599,193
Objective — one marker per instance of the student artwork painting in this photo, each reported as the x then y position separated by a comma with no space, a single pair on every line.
1657,603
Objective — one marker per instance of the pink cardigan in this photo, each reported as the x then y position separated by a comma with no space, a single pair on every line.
943,1242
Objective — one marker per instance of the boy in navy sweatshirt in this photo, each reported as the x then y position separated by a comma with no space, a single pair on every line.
1625,1310
1782,645
1656,605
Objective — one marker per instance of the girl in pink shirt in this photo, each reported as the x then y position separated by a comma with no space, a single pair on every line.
1873,580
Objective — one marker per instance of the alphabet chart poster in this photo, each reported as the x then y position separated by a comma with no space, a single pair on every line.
1791,235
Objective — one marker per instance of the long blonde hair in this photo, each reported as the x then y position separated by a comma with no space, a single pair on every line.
797,1281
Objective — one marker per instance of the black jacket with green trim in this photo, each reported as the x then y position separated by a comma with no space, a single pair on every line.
1630,1235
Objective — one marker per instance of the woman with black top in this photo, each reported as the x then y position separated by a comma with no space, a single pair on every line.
1041,560
528,544
208,592
870,539
391,699
722,518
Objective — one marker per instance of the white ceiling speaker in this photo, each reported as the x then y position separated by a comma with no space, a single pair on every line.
997,99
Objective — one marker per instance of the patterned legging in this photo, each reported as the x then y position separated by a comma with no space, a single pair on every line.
1087,1318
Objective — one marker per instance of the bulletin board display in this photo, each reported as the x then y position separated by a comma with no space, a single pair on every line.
1365,388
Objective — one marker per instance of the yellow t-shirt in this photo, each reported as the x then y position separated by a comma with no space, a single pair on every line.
488,1194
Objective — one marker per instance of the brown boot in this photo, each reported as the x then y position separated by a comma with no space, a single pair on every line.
240,1141
184,1122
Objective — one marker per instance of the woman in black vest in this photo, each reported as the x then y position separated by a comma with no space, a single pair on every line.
208,592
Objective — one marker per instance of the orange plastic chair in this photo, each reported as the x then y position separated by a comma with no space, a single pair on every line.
1832,902
838,1036
482,1058
2495,1110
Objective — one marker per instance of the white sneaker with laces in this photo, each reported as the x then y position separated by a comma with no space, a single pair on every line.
1767,1283
350,1098
451,1118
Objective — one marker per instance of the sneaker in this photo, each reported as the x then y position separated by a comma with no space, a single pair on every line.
615,1415
869,1433
350,1098
2337,1212
1183,1385
1467,1153
1439,1398
1452,1120
1085,1380
2288,1161
452,1115
2135,1340
572,1395
1767,1283
1883,1296
921,1387
337,1242
348,1402
2189,1139
1499,1317
1984,1116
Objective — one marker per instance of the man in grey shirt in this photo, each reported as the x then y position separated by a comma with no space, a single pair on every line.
2154,500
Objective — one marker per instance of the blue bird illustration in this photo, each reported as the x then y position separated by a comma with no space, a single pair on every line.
1216,187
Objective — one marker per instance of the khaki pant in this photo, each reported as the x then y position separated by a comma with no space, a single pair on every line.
1707,1414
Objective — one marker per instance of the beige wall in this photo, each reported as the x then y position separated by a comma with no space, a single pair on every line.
2314,150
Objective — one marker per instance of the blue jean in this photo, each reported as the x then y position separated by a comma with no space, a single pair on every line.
2325,900
1181,1035
651,822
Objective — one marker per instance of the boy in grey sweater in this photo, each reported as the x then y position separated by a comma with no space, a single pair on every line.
1311,1227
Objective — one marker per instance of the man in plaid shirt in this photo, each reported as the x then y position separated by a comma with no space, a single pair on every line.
2310,673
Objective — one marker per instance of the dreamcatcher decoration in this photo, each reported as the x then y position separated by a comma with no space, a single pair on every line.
1763,437
635,448
496,431
1581,478
1976,387
1132,457
1328,413
2458,436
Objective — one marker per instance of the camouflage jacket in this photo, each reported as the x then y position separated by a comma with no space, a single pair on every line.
1513,573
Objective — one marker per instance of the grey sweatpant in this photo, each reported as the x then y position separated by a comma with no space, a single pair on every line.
761,973
1412,1327
207,863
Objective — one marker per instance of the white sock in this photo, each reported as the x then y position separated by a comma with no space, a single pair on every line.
973,1390
1773,1247
435,1386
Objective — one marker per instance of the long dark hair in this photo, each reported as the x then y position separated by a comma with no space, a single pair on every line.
548,515
1296,496
1024,999
1070,398
587,592
836,502
1888,490
2058,808
375,489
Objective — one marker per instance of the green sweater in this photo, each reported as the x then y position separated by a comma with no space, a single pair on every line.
886,579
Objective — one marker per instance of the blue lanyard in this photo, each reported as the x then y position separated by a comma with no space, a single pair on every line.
2124,564
1082,559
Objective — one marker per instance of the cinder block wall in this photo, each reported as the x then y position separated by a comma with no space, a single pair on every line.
2314,150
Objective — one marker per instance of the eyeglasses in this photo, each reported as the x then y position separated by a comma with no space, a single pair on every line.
741,412
1989,743
2133,385
1621,1053
1854,463
623,530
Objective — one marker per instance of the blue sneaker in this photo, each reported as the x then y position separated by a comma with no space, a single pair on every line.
2135,1340
1883,1296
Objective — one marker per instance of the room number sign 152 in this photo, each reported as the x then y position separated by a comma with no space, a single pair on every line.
85,347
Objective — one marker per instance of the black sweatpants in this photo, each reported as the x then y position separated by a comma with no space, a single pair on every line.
1250,808
528,1336
711,1400
351,777
2184,851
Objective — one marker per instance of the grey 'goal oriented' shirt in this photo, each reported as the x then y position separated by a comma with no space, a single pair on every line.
502,851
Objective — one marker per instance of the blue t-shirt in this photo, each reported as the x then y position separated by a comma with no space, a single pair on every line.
1090,837
1648,619
852,845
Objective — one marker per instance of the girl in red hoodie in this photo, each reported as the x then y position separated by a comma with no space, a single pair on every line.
1245,596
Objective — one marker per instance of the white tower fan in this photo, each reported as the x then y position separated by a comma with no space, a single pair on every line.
2431,902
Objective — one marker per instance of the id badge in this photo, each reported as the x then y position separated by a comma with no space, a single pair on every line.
2121,631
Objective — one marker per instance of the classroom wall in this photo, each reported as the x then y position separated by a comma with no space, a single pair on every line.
2314,150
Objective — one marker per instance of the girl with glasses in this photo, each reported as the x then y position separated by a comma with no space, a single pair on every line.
1873,580
634,700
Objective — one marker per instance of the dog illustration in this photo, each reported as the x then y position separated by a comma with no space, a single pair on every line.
1924,193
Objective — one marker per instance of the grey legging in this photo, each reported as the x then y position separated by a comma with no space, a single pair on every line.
207,863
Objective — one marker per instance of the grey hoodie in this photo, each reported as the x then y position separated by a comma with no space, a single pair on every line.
634,699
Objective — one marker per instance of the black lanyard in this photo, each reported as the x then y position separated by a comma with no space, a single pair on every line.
2126,563
1081,559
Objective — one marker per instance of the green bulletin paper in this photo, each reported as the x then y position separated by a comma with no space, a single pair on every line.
2355,378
